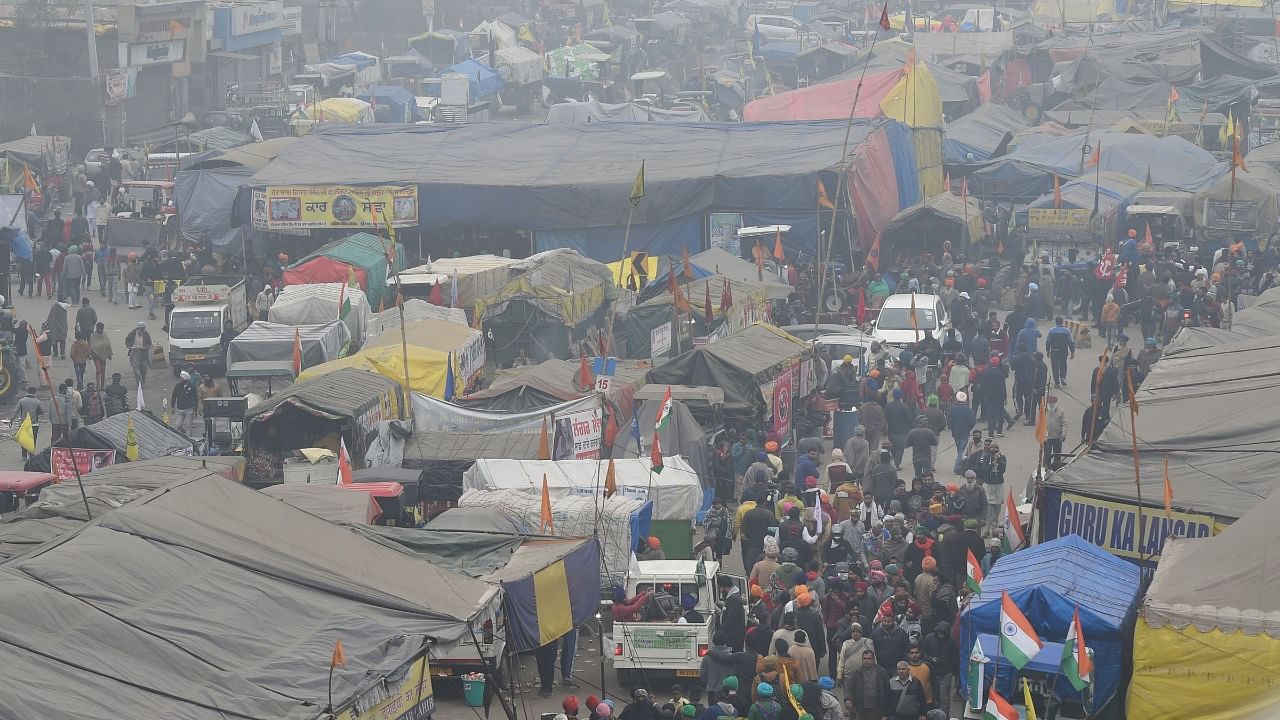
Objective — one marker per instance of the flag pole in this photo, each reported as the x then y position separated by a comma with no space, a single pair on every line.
1137,476
389,252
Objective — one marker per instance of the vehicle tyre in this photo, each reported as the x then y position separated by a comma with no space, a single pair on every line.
8,382
833,301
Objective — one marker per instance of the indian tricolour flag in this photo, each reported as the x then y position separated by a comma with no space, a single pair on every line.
1076,663
977,659
664,414
998,708
973,573
1018,640
1013,537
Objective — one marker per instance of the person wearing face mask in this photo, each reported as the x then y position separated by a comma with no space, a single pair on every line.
993,484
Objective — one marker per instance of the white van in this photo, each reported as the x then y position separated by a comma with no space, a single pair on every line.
893,325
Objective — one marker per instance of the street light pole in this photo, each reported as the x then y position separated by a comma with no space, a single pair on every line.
92,39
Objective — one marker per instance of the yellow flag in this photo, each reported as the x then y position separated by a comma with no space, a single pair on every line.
352,279
637,187
26,436
1026,699
131,442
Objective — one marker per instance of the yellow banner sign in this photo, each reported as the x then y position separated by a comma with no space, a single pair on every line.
412,700
1050,219
293,207
1114,527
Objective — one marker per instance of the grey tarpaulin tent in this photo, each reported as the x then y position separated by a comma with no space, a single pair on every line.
205,550
1249,204
596,112
274,341
981,134
334,503
682,435
444,456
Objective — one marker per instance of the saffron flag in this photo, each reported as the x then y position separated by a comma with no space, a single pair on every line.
1042,423
1018,640
884,18
637,186
976,660
659,423
1013,537
344,463
1057,192
946,182
998,708
1076,663
585,380
972,573
339,659
824,200
544,448
1168,487
1237,157
1173,95
778,253
873,255
297,352
26,435
610,480
726,297
450,380
1096,157
687,270
547,524
131,442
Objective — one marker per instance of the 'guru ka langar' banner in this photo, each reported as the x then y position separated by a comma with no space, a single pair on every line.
1114,526
299,207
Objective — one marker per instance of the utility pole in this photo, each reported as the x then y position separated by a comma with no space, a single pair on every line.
92,39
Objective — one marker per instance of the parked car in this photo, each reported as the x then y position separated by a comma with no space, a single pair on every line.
95,157
774,27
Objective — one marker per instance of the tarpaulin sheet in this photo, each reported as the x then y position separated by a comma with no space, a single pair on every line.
1250,203
825,101
914,99
546,604
681,435
136,604
691,168
676,492
482,81
873,185
978,135
155,439
1114,190
368,253
1009,179
550,382
272,341
561,285
324,270
414,309
585,112
438,416
204,199
1049,582
1172,161
427,367
477,275
334,503
473,554
444,456
606,243
319,303
466,344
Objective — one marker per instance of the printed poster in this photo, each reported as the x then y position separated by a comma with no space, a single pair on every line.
300,207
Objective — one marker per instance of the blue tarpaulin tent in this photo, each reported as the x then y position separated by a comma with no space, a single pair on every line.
1048,582
1173,162
391,103
483,80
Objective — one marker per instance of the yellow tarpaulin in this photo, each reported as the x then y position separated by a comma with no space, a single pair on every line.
622,270
915,100
1186,674
427,367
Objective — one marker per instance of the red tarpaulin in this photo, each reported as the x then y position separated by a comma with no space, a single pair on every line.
826,101
322,270
873,186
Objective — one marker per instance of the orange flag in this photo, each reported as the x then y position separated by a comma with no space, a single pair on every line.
758,251
824,200
585,379
688,266
873,255
1057,192
946,182
778,254
344,463
339,659
1147,239
1168,487
297,352
546,506
1096,157
610,480
1042,423
544,447
1237,158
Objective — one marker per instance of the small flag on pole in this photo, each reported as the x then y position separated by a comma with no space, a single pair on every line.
1168,487
1013,537
779,253
726,297
339,659
297,352
873,255
26,435
708,311
547,524
1076,663
998,708
637,186
977,659
884,18
1042,423
450,380
946,182
973,573
344,463
824,200
585,380
131,442
544,448
1026,700
660,423
1019,641
1057,192
687,270
610,480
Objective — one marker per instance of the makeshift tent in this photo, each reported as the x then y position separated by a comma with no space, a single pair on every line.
482,81
335,110
357,406
585,112
518,65
211,138
923,227
1207,640
390,103
205,190
691,169
414,309
576,61
334,503
530,387
204,550
1248,205
1260,320
683,435
750,303
274,341
911,98
253,156
1111,191
1049,582
676,492
317,303
326,270
1172,162
436,415
550,585
618,522
478,276
366,253
155,439
1008,180
891,170
42,154
721,262
744,365
364,69
982,134
1208,413
428,367
444,456
466,344
977,49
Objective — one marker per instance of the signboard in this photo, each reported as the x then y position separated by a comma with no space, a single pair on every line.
1051,219
723,231
249,18
783,398
1226,215
291,21
660,340
60,459
1114,526
578,435
412,700
334,206
161,29
157,53
121,83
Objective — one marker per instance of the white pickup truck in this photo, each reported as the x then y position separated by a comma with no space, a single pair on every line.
661,647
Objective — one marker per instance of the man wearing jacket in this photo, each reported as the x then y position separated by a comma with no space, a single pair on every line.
1057,431
1028,338
1060,346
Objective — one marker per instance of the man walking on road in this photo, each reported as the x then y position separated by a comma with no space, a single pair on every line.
138,341
183,400
73,271
86,319
1057,434
961,419
28,406
1060,346
100,347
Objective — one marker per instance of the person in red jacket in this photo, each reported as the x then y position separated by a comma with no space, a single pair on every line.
629,609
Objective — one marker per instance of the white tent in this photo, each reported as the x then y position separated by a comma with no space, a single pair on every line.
676,492
414,309
319,303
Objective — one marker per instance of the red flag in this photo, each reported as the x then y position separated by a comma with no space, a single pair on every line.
726,297
1237,158
873,255
672,284
297,352
946,182
436,297
546,507
707,307
1096,157
1173,95
339,659
688,266
344,463
778,254
585,379
884,18
610,480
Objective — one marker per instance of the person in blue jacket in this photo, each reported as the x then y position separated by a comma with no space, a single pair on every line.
1028,338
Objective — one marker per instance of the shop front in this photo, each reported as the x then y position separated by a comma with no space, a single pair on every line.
245,50
159,43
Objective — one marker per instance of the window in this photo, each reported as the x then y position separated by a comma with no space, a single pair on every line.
900,319
198,324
